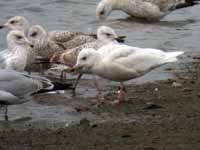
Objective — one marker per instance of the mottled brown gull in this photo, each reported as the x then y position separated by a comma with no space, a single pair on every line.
152,10
105,35
47,42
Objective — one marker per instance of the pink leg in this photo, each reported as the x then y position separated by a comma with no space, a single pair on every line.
99,98
97,85
121,95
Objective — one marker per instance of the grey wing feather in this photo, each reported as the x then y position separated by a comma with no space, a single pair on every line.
7,97
20,84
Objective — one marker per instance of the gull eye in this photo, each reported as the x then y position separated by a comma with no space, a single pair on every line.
108,34
102,12
33,34
84,58
19,37
13,22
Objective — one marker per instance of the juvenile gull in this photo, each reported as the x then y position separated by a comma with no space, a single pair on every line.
105,35
71,39
17,23
15,57
61,36
46,42
121,62
152,10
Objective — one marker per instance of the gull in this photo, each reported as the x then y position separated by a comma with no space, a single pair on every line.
15,56
60,36
105,35
121,63
17,88
151,10
17,23
45,43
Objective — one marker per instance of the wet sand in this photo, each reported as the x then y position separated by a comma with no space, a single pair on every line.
161,115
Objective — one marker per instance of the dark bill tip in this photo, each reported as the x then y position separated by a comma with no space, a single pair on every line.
120,39
32,46
1,26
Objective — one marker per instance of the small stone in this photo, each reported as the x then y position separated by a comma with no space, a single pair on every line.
152,106
176,84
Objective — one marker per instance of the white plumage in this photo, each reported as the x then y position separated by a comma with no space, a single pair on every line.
15,57
121,62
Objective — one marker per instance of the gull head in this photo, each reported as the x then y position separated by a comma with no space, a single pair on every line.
16,23
36,33
103,9
17,38
86,61
107,34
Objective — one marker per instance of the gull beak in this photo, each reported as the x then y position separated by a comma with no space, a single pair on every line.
2,26
120,39
71,69
76,68
29,43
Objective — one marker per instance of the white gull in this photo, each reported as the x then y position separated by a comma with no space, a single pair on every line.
15,56
105,35
121,62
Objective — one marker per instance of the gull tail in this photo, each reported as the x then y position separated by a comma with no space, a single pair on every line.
172,56
42,60
187,3
56,87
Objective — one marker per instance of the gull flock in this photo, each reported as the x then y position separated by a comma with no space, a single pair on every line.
31,48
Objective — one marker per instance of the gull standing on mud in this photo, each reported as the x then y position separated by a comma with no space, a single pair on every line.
105,35
121,63
15,57
17,88
152,10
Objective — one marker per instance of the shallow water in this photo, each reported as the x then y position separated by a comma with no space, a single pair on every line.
177,31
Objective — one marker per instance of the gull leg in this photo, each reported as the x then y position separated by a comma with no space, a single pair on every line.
76,83
99,99
63,75
121,95
96,85
6,113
